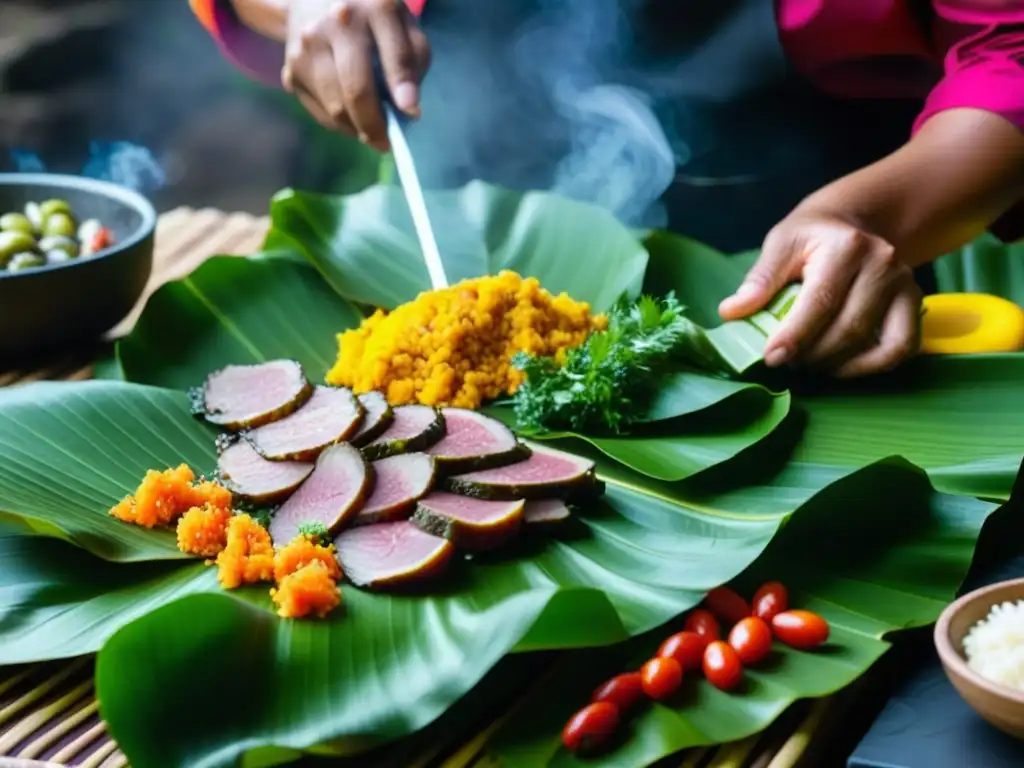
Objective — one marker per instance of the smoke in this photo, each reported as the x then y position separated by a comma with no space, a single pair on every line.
121,162
546,102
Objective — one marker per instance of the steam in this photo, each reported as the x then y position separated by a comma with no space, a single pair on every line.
555,108
121,162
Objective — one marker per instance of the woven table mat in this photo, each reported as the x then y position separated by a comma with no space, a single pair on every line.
49,715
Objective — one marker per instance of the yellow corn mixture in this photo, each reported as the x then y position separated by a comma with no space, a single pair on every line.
306,572
454,346
248,555
309,590
165,495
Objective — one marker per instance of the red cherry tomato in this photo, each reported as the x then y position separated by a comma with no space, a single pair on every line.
722,666
622,690
751,638
661,677
590,727
685,647
703,623
800,629
771,599
726,604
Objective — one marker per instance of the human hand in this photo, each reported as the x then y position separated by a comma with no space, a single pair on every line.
329,62
859,309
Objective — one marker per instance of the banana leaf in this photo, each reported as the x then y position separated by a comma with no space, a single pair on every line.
389,665
865,587
986,265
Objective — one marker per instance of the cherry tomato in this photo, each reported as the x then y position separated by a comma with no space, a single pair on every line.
591,726
751,638
622,690
685,647
772,598
722,666
726,604
800,629
661,677
703,623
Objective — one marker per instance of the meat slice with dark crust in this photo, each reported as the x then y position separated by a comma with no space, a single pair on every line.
331,496
547,473
470,524
249,476
545,512
330,416
391,555
414,428
474,441
377,417
399,481
246,396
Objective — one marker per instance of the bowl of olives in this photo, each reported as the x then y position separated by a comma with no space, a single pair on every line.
75,256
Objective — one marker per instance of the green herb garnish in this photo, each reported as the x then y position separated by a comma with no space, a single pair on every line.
315,531
607,383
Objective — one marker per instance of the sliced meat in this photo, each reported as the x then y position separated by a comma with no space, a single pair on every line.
399,481
473,441
246,396
391,554
334,492
251,477
331,415
470,524
377,417
544,512
546,474
413,428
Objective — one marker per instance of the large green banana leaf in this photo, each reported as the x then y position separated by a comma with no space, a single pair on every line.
865,586
986,265
391,664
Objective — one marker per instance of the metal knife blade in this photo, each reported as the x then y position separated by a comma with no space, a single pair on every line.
414,197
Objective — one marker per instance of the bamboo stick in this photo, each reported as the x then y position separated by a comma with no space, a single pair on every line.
797,744
7,712
55,734
39,718
68,752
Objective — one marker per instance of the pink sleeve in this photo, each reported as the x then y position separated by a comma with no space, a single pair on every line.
257,56
984,63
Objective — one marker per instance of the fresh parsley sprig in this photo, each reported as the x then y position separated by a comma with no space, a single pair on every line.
607,383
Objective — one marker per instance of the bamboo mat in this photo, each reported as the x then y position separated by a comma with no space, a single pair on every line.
49,715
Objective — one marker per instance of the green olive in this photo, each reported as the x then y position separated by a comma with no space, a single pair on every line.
14,242
59,224
25,260
34,215
16,222
59,243
50,207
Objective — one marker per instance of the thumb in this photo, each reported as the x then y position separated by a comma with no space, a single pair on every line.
766,278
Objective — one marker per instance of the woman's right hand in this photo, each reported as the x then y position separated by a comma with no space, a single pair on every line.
329,62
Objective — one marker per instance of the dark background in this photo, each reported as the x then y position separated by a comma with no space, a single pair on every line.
74,72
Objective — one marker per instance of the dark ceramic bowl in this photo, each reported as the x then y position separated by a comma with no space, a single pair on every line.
58,307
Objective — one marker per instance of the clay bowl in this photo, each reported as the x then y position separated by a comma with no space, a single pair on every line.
52,308
1001,707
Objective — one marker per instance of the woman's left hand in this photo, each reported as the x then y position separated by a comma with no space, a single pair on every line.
859,310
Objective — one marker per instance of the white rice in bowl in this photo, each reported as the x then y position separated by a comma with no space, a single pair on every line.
994,647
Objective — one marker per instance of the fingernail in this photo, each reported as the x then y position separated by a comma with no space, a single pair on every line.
778,356
407,96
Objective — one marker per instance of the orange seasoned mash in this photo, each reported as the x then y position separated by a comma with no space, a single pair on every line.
203,531
301,551
454,346
248,555
309,590
165,495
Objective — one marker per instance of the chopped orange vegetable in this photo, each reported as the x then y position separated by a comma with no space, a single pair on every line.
454,346
248,556
203,530
165,495
301,551
310,590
